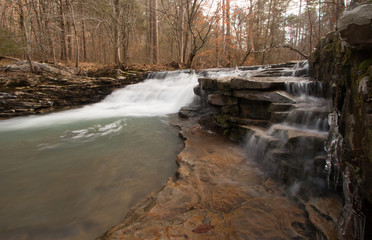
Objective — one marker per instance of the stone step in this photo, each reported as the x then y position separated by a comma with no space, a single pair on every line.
271,97
249,122
278,117
280,107
290,132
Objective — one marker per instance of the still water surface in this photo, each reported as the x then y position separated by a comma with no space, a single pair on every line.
76,180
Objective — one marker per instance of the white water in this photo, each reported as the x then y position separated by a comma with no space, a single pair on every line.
153,97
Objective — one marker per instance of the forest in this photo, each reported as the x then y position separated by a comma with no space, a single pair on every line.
187,33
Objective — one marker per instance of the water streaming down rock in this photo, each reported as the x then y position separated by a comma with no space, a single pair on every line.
162,93
294,147
281,114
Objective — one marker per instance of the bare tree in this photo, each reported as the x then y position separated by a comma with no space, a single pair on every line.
116,10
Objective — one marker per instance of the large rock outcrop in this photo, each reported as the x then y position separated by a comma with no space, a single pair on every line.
347,70
354,26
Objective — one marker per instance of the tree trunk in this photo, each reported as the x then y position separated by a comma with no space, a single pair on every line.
149,31
69,40
27,48
180,31
52,51
77,52
154,21
63,32
84,41
228,34
116,10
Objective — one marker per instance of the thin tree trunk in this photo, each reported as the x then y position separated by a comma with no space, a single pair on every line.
180,32
25,35
52,51
185,45
116,10
228,35
155,42
84,41
77,52
149,31
69,41
63,32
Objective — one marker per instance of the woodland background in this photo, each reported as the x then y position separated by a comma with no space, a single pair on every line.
189,33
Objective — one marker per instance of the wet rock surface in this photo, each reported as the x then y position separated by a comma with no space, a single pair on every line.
220,194
51,88
347,70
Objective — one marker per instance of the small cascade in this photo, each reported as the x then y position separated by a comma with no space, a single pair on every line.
162,93
294,143
301,69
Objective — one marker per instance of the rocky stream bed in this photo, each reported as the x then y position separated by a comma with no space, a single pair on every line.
219,192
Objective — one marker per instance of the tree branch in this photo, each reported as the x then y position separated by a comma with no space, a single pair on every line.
295,50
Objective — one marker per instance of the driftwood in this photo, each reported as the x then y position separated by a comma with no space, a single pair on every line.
10,58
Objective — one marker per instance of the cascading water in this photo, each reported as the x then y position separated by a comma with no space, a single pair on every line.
294,146
163,93
73,174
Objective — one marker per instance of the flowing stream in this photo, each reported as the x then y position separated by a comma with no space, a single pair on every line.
74,174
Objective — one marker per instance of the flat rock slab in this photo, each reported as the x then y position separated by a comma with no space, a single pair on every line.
218,194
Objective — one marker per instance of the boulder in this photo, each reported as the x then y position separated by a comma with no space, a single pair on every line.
355,26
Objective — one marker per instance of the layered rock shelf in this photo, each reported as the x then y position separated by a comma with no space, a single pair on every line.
283,126
51,89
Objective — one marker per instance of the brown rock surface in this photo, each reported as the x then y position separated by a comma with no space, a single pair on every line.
218,194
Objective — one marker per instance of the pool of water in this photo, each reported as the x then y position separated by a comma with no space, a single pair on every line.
76,180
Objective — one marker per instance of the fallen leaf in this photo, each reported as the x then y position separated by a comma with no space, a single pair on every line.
203,228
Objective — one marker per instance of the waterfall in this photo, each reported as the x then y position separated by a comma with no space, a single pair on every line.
162,93
293,145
